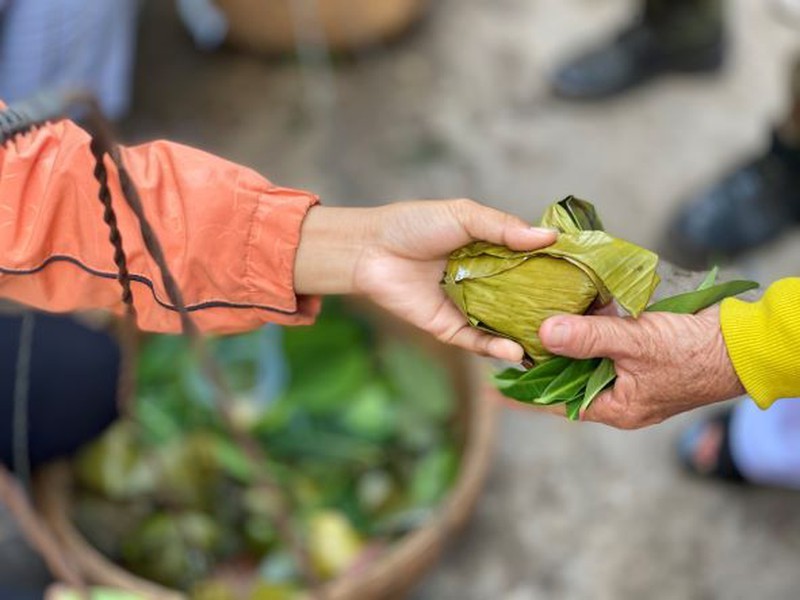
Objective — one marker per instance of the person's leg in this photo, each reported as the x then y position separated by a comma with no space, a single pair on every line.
765,445
69,43
667,36
72,398
747,444
20,594
749,207
73,382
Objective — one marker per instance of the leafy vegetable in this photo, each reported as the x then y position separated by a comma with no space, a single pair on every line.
358,435
569,383
603,376
693,302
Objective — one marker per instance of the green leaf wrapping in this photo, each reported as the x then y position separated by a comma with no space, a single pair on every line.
510,293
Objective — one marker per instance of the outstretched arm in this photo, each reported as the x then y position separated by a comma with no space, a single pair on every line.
243,251
230,235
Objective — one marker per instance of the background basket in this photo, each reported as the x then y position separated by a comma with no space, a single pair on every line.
402,565
272,26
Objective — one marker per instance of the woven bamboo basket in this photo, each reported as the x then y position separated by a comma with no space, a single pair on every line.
391,576
279,26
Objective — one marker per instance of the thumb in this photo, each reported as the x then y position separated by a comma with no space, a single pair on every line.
586,336
491,225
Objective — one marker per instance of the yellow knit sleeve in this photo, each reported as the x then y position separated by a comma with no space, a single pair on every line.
763,340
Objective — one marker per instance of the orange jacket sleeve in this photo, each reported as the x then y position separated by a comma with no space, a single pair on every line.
229,235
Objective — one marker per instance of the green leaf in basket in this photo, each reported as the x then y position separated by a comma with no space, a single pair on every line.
233,460
96,594
432,477
693,302
569,382
603,376
417,380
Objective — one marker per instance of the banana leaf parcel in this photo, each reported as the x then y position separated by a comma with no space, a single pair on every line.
510,293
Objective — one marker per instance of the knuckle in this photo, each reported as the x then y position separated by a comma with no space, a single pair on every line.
484,347
464,205
627,415
586,339
646,342
446,336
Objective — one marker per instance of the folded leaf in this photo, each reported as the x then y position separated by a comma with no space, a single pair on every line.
602,378
531,384
573,408
569,383
693,302
710,279
572,215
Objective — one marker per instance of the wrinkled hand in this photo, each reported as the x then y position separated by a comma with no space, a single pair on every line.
666,363
396,255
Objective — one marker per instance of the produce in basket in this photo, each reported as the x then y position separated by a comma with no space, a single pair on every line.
510,294
359,437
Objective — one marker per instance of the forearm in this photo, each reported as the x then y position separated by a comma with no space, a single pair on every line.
230,236
763,340
333,242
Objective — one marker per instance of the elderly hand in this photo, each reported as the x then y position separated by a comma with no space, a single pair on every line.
396,255
666,363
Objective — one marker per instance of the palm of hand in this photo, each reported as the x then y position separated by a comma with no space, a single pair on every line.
402,273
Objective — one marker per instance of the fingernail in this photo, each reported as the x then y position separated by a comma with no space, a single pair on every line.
558,335
544,230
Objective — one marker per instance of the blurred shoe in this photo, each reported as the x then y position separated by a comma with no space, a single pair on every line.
751,206
704,449
641,52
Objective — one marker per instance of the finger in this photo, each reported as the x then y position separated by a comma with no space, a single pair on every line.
587,336
57,591
451,327
485,344
491,225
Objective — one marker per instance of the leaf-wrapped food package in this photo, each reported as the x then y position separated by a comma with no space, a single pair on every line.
511,293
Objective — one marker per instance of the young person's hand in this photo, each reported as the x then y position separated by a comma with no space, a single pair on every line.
396,255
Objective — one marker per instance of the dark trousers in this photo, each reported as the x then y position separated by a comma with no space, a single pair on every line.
73,380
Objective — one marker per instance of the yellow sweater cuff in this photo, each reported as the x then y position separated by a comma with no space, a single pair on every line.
763,340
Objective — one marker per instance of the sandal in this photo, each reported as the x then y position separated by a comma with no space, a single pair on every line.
704,449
